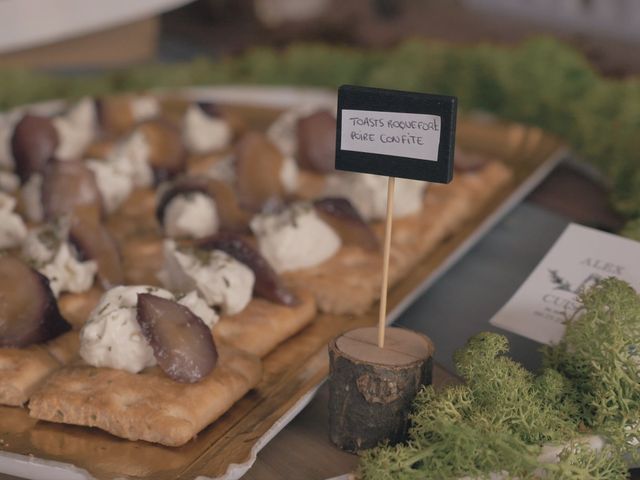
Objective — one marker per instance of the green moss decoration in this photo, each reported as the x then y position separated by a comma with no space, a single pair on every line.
541,82
600,355
496,423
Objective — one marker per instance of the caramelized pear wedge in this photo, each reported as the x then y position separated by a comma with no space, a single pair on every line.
268,283
33,144
115,115
70,187
317,142
94,242
258,163
100,148
343,217
28,310
167,156
182,344
232,216
235,119
467,161
210,109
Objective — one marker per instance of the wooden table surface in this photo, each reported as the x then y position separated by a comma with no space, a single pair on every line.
303,450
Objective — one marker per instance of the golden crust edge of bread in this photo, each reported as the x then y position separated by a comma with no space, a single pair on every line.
56,401
25,369
241,332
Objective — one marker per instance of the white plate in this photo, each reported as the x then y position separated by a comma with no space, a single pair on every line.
30,23
277,97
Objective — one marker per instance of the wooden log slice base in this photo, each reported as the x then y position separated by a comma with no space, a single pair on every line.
371,388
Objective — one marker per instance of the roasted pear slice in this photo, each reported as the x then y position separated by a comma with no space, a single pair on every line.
317,142
345,219
100,148
268,283
210,109
28,310
33,144
69,187
94,242
182,344
115,115
232,216
258,163
468,161
167,156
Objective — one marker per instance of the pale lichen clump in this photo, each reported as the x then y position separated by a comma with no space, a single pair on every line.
600,355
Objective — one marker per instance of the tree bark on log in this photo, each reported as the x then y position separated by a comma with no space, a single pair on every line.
371,388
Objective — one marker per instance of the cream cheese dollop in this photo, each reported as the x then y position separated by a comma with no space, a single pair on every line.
115,183
224,171
191,215
220,279
112,336
203,133
9,182
289,174
47,249
144,107
125,168
12,229
131,157
368,193
76,129
295,237
31,194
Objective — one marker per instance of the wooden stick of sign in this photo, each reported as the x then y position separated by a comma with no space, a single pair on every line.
393,134
382,314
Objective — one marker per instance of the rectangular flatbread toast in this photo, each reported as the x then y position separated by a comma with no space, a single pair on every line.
349,282
76,307
263,325
146,406
23,370
104,451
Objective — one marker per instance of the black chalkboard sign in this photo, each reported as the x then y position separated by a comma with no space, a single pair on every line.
396,134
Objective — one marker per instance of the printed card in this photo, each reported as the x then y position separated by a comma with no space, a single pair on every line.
578,259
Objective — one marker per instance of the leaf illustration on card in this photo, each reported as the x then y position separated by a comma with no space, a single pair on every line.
559,282
588,282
